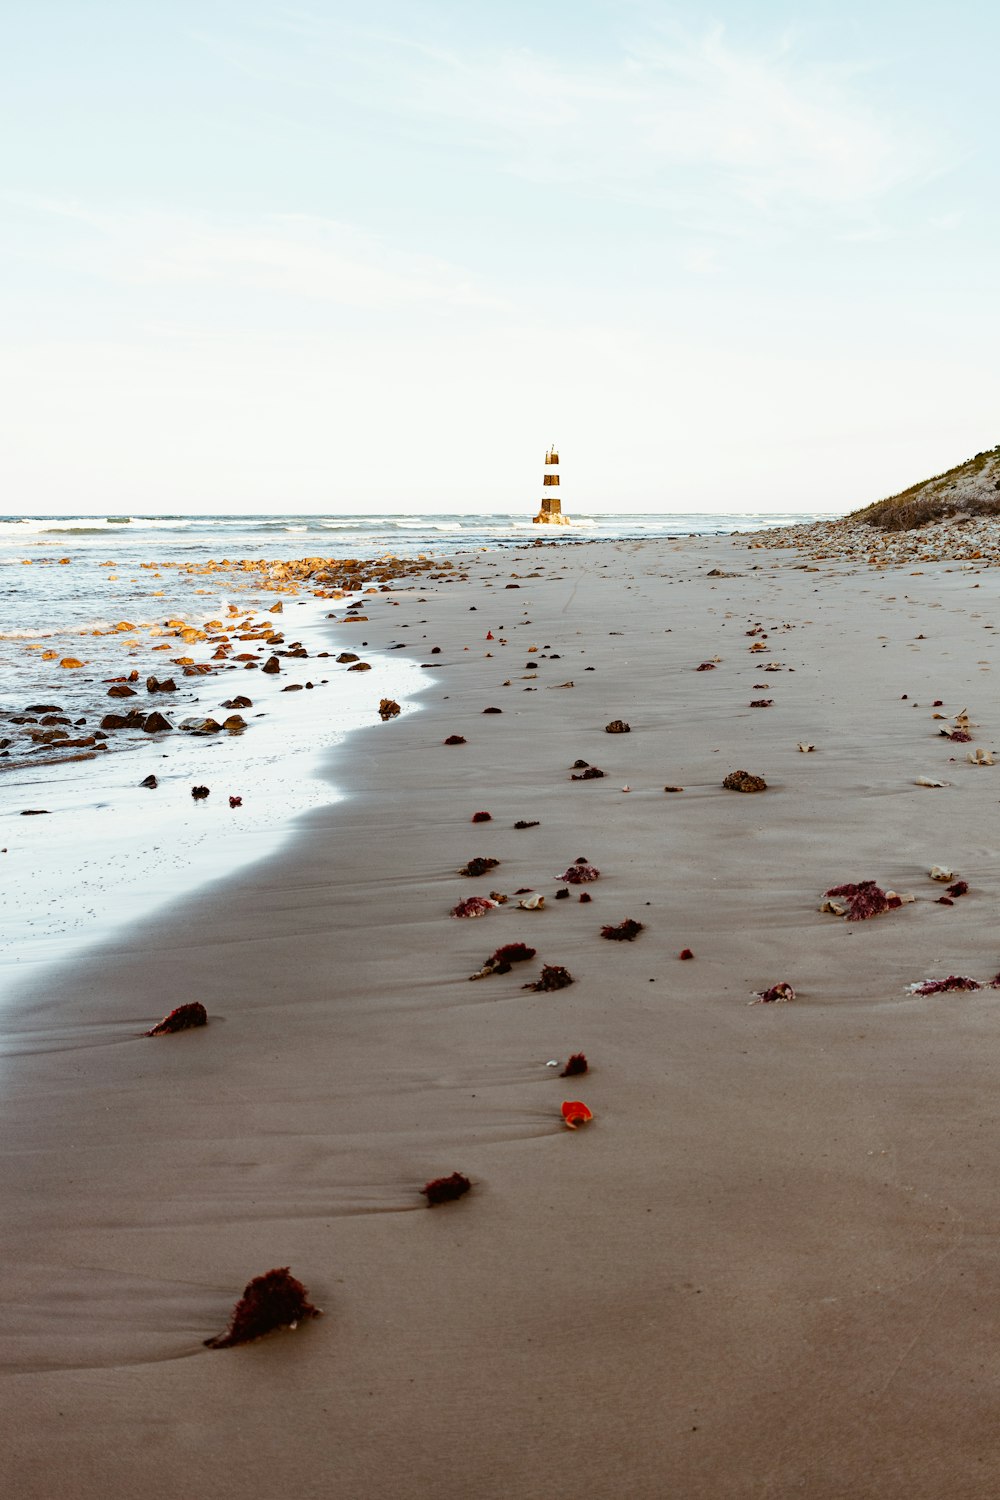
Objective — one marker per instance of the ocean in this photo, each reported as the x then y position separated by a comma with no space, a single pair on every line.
87,849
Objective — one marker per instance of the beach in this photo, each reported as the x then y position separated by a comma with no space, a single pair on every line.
766,1266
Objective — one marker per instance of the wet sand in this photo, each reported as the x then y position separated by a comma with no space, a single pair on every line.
767,1267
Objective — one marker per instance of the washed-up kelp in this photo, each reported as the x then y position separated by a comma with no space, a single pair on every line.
744,781
181,1019
580,873
554,977
473,906
575,1065
857,902
590,774
479,866
482,817
625,932
274,1300
617,726
500,962
446,1189
943,986
778,994
454,739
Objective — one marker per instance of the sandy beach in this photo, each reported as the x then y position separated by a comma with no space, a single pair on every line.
766,1268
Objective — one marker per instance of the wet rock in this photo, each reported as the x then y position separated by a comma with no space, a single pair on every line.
201,726
43,708
113,721
272,665
238,702
293,687
157,724
155,685
234,722
149,781
388,709
346,656
360,666
121,690
35,812
743,781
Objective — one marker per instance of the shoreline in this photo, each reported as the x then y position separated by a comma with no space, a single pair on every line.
760,1271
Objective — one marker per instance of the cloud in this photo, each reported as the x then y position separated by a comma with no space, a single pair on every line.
698,121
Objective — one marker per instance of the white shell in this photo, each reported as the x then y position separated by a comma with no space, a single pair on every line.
929,781
941,872
534,902
979,757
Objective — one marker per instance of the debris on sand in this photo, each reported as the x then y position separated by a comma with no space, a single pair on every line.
478,866
482,817
553,977
685,953
181,1019
575,1065
199,792
527,823
574,1113
744,781
455,739
590,774
941,872
388,709
778,994
617,726
762,702
502,960
534,902
929,781
858,902
473,906
580,873
446,1189
943,986
625,932
979,757
274,1300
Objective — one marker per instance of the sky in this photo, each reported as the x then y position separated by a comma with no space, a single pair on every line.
374,257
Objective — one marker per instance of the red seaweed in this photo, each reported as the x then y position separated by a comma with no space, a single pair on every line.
479,866
446,1189
181,1019
866,899
274,1300
554,977
943,986
482,817
960,888
625,932
576,1064
198,792
585,897
473,906
777,994
580,874
500,962
685,953
454,739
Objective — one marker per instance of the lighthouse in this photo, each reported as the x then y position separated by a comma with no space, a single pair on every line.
551,508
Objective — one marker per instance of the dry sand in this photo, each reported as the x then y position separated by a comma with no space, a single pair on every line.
767,1268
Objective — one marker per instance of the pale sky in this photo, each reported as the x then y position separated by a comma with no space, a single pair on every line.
373,257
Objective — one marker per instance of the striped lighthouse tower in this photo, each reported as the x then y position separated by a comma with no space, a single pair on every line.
551,508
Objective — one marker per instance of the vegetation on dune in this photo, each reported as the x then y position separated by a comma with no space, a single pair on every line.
969,490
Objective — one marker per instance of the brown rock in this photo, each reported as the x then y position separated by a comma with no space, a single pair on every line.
235,721
121,691
388,709
156,724
272,665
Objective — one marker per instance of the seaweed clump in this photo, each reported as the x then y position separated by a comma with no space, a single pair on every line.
858,902
446,1189
482,817
479,866
942,986
473,906
580,873
575,1065
274,1300
554,977
590,774
625,932
525,823
617,726
778,994
181,1019
744,781
454,739
500,962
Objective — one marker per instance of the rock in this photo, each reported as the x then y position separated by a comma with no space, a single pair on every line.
234,722
388,709
238,702
199,792
156,724
121,691
43,708
113,721
70,661
150,781
346,656
617,726
154,685
743,781
272,665
360,666
201,726
293,687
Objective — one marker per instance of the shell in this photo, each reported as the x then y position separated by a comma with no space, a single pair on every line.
574,1113
534,902
941,872
979,757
